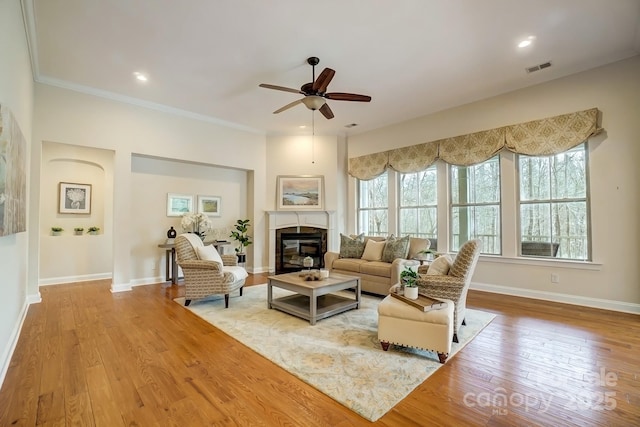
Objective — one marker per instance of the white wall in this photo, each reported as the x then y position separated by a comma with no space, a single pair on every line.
16,92
152,179
296,155
78,119
614,177
69,257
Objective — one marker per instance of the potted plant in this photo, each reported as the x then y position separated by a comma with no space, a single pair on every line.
240,235
408,278
78,230
93,230
56,231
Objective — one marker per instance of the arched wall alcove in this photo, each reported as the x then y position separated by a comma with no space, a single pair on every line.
73,257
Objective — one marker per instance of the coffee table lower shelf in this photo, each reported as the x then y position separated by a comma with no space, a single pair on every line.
327,305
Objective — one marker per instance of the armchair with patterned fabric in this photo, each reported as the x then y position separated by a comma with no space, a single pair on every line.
205,271
451,282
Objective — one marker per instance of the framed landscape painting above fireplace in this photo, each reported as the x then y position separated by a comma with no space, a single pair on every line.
300,192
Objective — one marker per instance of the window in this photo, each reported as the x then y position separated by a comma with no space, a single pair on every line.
475,205
554,220
418,213
373,206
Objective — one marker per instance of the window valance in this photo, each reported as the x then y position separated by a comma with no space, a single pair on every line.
547,136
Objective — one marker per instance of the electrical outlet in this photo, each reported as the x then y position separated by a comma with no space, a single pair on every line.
555,278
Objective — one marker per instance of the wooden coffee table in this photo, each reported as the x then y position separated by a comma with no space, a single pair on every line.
313,300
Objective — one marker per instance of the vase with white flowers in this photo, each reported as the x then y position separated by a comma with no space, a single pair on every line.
197,223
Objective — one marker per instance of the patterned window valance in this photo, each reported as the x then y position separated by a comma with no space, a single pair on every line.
552,135
369,166
535,138
414,158
466,150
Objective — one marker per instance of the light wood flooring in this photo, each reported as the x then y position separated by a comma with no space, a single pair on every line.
89,357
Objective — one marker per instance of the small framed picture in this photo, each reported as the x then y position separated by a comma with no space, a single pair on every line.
179,204
304,192
74,198
209,205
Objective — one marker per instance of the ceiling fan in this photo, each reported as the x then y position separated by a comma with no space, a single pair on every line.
315,93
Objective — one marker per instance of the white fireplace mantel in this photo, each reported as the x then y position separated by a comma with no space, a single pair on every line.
285,219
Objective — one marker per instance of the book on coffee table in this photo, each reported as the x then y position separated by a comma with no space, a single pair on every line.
423,303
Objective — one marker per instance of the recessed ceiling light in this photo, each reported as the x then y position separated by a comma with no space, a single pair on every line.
141,76
302,126
526,42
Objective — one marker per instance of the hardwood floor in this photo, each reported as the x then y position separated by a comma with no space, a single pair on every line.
89,357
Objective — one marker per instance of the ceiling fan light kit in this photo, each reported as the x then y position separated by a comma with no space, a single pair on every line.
315,93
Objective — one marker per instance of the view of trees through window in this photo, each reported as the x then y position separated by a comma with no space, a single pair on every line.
418,213
553,204
475,205
373,206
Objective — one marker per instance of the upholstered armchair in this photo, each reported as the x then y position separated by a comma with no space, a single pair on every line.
205,271
453,282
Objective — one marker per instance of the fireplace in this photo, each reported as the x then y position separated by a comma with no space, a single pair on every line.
293,244
305,223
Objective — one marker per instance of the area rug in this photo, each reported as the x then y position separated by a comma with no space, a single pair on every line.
340,356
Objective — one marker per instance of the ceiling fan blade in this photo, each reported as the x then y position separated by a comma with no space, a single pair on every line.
286,107
323,80
341,96
326,111
282,88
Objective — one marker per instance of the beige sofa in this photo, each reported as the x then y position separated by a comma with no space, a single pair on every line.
376,276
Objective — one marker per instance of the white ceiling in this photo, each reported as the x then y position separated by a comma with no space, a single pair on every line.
413,57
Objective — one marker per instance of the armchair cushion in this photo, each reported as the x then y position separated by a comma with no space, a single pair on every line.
208,253
237,272
440,266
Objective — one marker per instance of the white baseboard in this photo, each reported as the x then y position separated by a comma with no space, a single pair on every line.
73,279
120,287
148,281
603,304
13,341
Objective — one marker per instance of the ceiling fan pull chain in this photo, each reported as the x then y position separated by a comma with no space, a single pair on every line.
313,137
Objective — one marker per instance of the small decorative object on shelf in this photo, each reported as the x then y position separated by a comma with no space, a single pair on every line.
171,234
56,231
78,231
93,230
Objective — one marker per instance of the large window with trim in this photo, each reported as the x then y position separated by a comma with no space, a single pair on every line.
418,204
373,206
554,216
475,205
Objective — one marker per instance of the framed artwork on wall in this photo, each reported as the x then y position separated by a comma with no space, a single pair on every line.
300,192
74,198
209,205
179,204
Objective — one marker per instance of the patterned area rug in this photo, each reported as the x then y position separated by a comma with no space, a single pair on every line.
340,355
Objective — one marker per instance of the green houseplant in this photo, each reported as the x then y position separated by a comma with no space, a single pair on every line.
241,236
55,231
78,230
93,230
408,278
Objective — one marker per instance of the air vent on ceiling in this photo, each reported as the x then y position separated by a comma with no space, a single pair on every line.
351,125
538,67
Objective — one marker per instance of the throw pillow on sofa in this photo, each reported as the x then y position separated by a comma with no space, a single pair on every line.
351,247
373,250
395,248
